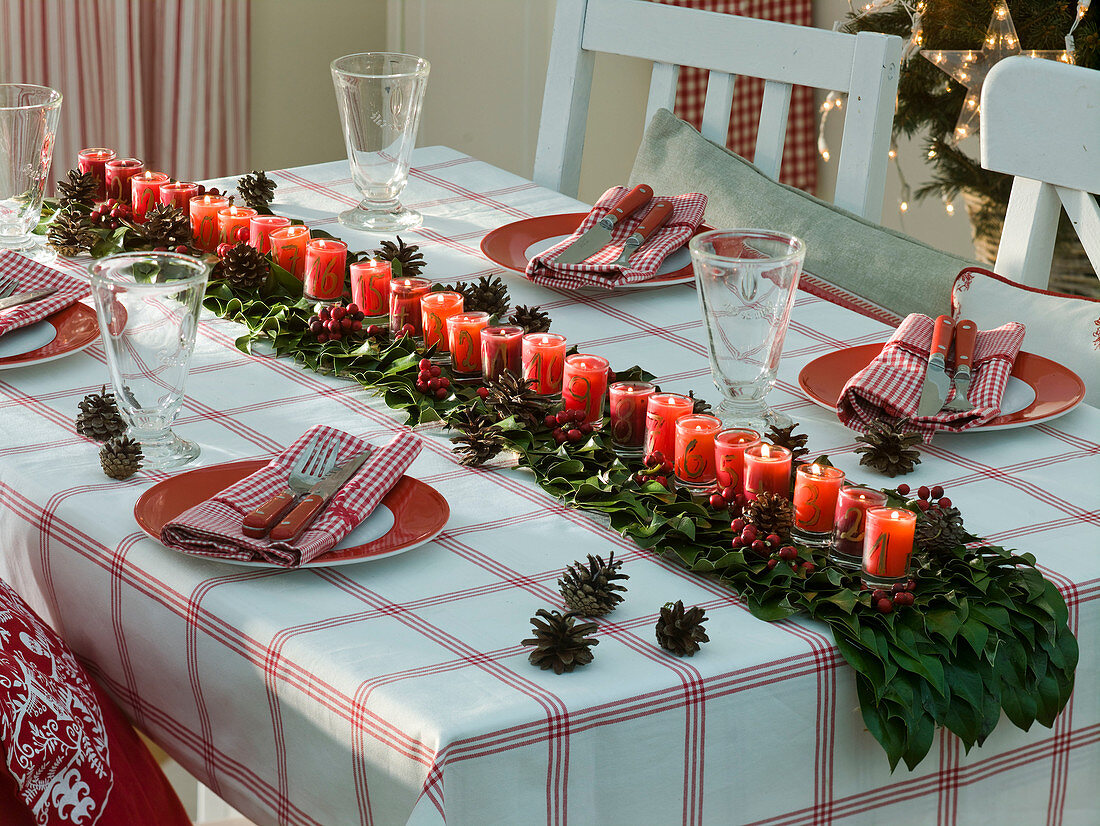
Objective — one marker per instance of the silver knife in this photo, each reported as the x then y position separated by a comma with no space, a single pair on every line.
936,383
599,236
26,298
654,219
966,336
314,502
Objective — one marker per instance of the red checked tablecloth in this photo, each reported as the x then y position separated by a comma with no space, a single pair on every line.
397,691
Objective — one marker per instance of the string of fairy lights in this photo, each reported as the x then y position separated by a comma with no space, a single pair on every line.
967,66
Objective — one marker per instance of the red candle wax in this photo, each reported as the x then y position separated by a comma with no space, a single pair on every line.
501,349
767,470
178,194
288,248
628,407
888,542
260,228
816,488
662,411
584,385
544,361
405,295
94,160
117,174
729,456
850,520
370,286
204,220
464,338
232,220
695,449
326,265
435,309
145,192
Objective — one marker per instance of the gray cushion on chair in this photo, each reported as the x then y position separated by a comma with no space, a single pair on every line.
883,266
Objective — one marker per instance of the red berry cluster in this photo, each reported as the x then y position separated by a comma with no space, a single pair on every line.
656,468
927,497
430,380
728,498
900,595
110,214
566,425
332,323
747,538
223,250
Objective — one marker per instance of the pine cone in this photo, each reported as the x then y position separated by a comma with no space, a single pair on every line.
560,643
479,438
698,405
244,267
488,295
71,232
407,256
889,448
591,591
531,319
121,457
99,418
770,513
680,630
940,530
165,226
510,395
257,190
81,188
786,437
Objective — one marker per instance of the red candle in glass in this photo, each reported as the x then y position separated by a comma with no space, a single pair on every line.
370,286
662,411
232,220
94,160
405,295
326,266
204,220
816,488
544,361
435,309
288,248
117,173
260,228
501,349
767,470
628,408
729,456
178,194
584,385
145,192
464,337
850,520
695,449
887,544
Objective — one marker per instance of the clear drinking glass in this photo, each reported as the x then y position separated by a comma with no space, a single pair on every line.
28,121
148,310
746,282
379,95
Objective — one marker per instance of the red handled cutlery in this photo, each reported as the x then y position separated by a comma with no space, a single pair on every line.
599,236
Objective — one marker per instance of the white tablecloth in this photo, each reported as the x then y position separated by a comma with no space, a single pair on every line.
397,691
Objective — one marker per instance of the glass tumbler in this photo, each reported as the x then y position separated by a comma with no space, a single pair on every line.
379,95
746,283
148,305
28,121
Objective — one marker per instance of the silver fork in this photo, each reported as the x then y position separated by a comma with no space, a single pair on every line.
8,286
315,461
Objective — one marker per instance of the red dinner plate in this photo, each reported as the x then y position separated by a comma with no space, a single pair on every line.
1038,390
66,332
513,245
410,514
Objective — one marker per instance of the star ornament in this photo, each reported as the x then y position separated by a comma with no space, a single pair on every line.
970,67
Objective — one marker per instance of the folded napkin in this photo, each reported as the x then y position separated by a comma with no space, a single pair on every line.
213,527
34,276
598,271
890,386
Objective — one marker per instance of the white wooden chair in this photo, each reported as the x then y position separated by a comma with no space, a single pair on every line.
864,65
1041,123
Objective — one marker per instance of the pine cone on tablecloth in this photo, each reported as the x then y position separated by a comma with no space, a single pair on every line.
408,259
770,513
488,295
99,418
244,267
698,406
786,437
680,630
531,319
940,530
80,188
511,395
889,448
561,643
592,591
71,233
257,190
121,457
165,226
479,438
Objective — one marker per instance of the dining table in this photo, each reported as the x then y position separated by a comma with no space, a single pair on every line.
397,690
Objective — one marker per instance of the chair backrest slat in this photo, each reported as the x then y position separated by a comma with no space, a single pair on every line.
773,128
662,88
716,110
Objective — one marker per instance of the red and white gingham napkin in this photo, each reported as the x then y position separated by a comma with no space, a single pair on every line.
213,528
598,271
34,276
890,386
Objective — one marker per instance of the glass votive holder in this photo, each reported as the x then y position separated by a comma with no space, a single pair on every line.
729,456
117,174
850,523
662,411
464,337
145,193
435,309
767,470
695,451
204,210
232,220
326,269
178,194
816,488
260,228
887,546
501,349
543,356
370,287
94,160
584,385
405,295
288,249
629,400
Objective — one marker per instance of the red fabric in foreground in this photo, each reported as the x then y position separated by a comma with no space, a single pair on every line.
30,275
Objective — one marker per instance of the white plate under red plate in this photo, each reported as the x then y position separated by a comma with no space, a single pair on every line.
1038,389
514,245
411,514
65,332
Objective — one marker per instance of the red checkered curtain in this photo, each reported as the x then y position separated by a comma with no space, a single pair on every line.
163,81
799,167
